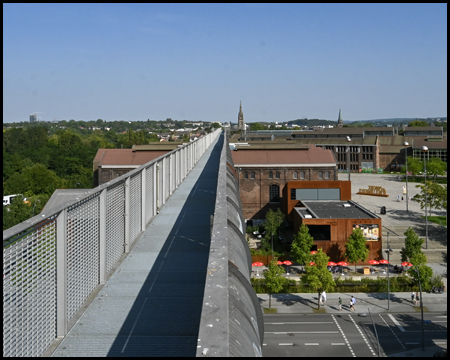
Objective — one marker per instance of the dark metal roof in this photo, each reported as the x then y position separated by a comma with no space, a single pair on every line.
335,210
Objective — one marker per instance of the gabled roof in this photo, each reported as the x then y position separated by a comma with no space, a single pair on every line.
126,157
293,157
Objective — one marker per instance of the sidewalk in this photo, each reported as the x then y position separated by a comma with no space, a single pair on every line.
400,302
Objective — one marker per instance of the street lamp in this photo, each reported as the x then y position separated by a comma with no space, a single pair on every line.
349,140
388,251
35,205
424,149
406,144
421,305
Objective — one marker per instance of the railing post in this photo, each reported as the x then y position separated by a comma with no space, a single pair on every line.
127,215
157,188
102,237
143,197
61,274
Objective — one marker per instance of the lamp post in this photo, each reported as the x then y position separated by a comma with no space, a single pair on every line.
272,246
421,305
35,205
406,144
349,140
424,149
388,251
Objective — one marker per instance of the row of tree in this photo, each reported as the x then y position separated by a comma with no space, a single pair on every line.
317,275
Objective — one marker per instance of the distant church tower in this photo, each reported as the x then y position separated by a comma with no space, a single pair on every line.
340,122
241,125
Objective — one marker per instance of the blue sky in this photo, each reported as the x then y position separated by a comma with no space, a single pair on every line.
197,61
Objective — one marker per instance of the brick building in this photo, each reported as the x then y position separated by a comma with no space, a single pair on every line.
264,169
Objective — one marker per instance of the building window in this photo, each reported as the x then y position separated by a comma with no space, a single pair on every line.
245,175
252,175
270,175
294,175
320,175
277,175
302,175
327,175
274,193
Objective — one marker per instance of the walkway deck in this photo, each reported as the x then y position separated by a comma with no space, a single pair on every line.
151,305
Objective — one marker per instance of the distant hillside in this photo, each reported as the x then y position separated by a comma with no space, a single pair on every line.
311,122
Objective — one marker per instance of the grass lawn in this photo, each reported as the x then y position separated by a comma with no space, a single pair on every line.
440,220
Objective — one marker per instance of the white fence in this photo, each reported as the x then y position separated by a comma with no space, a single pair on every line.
53,262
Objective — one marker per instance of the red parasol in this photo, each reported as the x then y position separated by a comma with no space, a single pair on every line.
279,262
384,262
331,263
257,264
312,263
373,262
342,263
287,262
314,252
406,263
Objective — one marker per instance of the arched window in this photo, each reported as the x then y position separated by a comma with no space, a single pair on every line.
245,175
302,175
295,175
274,193
270,175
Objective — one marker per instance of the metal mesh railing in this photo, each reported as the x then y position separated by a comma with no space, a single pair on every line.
29,291
52,262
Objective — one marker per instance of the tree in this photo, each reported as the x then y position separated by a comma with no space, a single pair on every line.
257,126
435,167
425,272
274,219
418,123
413,246
274,279
436,196
302,244
317,276
356,248
415,166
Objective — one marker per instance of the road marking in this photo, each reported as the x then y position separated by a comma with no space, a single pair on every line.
299,332
362,335
311,343
286,344
392,331
337,343
394,320
264,344
343,335
300,322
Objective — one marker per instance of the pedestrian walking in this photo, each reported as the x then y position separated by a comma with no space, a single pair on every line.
413,297
340,304
321,299
417,298
353,304
324,297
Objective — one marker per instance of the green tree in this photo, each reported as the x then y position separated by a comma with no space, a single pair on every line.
256,126
435,167
418,123
415,166
413,246
215,125
301,246
274,279
425,274
433,195
317,276
355,248
15,213
274,219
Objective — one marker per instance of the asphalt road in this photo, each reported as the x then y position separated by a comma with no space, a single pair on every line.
350,335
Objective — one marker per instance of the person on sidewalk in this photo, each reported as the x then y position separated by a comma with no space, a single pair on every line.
340,304
353,300
413,297
324,297
351,304
417,299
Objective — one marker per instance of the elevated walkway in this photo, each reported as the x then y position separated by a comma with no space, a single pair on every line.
151,305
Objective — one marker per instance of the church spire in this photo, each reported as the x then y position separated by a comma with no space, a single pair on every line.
340,121
241,125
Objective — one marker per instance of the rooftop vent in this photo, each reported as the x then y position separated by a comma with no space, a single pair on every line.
308,217
346,205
